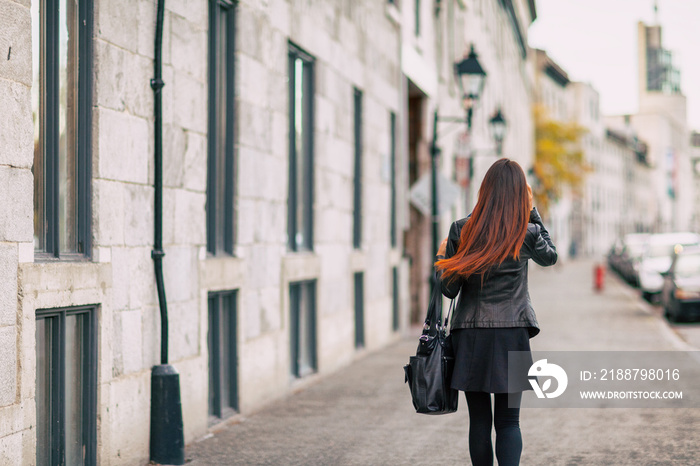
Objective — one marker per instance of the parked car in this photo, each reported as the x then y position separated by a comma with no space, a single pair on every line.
615,255
632,249
657,258
681,292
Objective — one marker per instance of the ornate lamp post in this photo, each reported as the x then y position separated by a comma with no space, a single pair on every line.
497,124
470,78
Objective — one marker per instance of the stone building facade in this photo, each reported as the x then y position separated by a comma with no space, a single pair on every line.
662,122
290,132
695,163
433,41
552,92
614,198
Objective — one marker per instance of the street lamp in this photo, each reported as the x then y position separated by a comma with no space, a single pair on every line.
470,78
497,124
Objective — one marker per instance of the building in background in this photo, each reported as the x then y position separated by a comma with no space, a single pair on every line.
552,93
613,198
662,123
292,133
597,207
641,167
695,163
637,199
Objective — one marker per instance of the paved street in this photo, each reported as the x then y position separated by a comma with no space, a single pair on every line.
363,414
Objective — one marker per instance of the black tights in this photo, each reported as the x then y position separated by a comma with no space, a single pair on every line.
509,443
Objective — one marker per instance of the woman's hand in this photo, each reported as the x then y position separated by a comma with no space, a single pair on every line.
443,247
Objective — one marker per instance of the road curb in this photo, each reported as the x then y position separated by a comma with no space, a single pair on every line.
668,332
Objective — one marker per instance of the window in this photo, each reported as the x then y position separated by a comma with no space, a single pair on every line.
395,298
359,310
392,168
221,162
357,177
61,110
302,306
301,89
66,381
223,355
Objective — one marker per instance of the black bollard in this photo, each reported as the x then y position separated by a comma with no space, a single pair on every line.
167,436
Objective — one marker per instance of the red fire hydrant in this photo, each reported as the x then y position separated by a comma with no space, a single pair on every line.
599,277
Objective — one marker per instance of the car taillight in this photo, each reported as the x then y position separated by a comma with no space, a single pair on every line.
685,294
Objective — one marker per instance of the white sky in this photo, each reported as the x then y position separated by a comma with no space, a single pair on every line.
595,41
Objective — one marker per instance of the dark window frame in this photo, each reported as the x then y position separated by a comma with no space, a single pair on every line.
49,121
295,302
58,381
307,201
357,171
395,298
221,302
359,280
392,168
220,211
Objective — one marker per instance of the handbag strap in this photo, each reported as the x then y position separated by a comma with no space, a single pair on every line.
434,315
447,318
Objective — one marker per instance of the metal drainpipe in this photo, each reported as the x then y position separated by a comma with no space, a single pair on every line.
434,153
167,445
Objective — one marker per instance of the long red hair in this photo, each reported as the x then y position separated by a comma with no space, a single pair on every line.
496,229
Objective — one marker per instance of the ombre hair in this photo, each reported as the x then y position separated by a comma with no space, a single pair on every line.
496,229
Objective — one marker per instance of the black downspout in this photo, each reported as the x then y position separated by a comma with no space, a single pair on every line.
158,253
167,445
434,153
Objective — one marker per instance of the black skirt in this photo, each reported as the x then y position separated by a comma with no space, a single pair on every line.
481,359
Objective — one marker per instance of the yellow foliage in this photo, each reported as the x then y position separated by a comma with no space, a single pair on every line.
559,160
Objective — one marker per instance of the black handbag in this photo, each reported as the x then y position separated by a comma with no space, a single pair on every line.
429,372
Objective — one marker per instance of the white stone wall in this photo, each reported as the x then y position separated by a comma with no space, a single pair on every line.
509,85
355,44
16,230
123,214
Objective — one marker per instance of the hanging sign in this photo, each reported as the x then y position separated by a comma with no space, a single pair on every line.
421,197
462,153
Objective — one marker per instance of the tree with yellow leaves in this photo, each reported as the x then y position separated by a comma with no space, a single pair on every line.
559,160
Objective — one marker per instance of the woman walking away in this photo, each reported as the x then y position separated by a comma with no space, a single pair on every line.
484,259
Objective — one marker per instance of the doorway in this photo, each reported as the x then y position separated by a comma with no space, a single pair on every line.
417,236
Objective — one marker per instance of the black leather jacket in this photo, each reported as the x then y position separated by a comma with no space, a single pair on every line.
503,300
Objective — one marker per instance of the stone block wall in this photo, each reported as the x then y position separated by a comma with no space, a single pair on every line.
16,240
355,44
368,45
